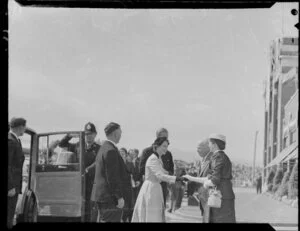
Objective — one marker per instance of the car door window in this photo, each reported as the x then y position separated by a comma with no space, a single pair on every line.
53,156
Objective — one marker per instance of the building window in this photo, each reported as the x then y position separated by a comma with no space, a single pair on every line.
284,142
293,137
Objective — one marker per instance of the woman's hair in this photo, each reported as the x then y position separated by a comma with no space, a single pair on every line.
221,144
159,141
124,149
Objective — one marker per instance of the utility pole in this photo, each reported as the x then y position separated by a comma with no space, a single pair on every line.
254,157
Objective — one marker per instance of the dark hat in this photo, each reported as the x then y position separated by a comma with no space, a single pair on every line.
16,122
90,127
111,127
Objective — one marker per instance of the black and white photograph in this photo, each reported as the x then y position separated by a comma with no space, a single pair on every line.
148,114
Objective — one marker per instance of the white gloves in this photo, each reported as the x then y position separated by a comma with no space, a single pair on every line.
195,179
208,183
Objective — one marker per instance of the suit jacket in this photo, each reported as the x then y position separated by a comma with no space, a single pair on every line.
112,180
167,161
15,164
136,172
205,170
221,174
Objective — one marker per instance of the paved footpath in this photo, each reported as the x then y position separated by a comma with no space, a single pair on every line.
250,208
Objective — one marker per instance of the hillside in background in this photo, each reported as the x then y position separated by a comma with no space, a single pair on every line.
192,156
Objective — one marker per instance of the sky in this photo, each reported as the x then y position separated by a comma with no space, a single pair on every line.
194,72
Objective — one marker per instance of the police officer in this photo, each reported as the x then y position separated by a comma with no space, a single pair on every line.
91,150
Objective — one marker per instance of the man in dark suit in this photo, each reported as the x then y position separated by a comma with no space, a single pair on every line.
258,184
111,180
167,160
204,152
136,177
15,166
128,206
91,150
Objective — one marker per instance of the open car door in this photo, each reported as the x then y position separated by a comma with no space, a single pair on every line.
57,175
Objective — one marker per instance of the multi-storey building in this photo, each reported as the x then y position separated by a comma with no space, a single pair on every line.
281,106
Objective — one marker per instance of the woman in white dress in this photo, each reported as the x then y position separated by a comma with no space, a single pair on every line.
149,206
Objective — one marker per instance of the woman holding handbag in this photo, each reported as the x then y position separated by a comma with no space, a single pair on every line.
221,195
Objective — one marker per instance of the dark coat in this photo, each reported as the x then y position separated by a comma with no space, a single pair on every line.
221,175
15,164
112,180
205,170
136,171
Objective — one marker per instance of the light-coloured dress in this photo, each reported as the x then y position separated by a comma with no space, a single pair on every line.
149,206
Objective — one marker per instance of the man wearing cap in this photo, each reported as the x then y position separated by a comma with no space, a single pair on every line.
111,178
91,150
167,161
15,166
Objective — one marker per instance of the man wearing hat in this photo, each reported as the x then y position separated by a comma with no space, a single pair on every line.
111,178
15,166
167,161
91,150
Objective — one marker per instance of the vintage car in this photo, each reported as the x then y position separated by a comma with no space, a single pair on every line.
54,190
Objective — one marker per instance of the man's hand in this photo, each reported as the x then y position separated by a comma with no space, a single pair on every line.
120,203
188,177
11,192
137,184
208,183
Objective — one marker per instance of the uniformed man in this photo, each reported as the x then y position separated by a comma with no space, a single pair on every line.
15,166
91,150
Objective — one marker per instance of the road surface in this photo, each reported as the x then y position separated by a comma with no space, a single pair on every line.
250,208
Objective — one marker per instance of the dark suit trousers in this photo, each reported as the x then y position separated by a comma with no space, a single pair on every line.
108,212
258,189
135,193
179,198
165,190
11,208
127,211
91,211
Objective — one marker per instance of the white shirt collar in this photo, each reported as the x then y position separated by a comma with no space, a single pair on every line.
205,157
216,151
112,143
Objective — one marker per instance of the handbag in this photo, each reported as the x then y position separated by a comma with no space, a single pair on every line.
214,198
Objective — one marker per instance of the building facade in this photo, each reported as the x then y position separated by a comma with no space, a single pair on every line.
281,106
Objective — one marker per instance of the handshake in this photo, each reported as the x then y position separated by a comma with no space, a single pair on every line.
181,179
203,180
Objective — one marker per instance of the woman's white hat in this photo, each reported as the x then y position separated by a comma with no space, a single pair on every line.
218,137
